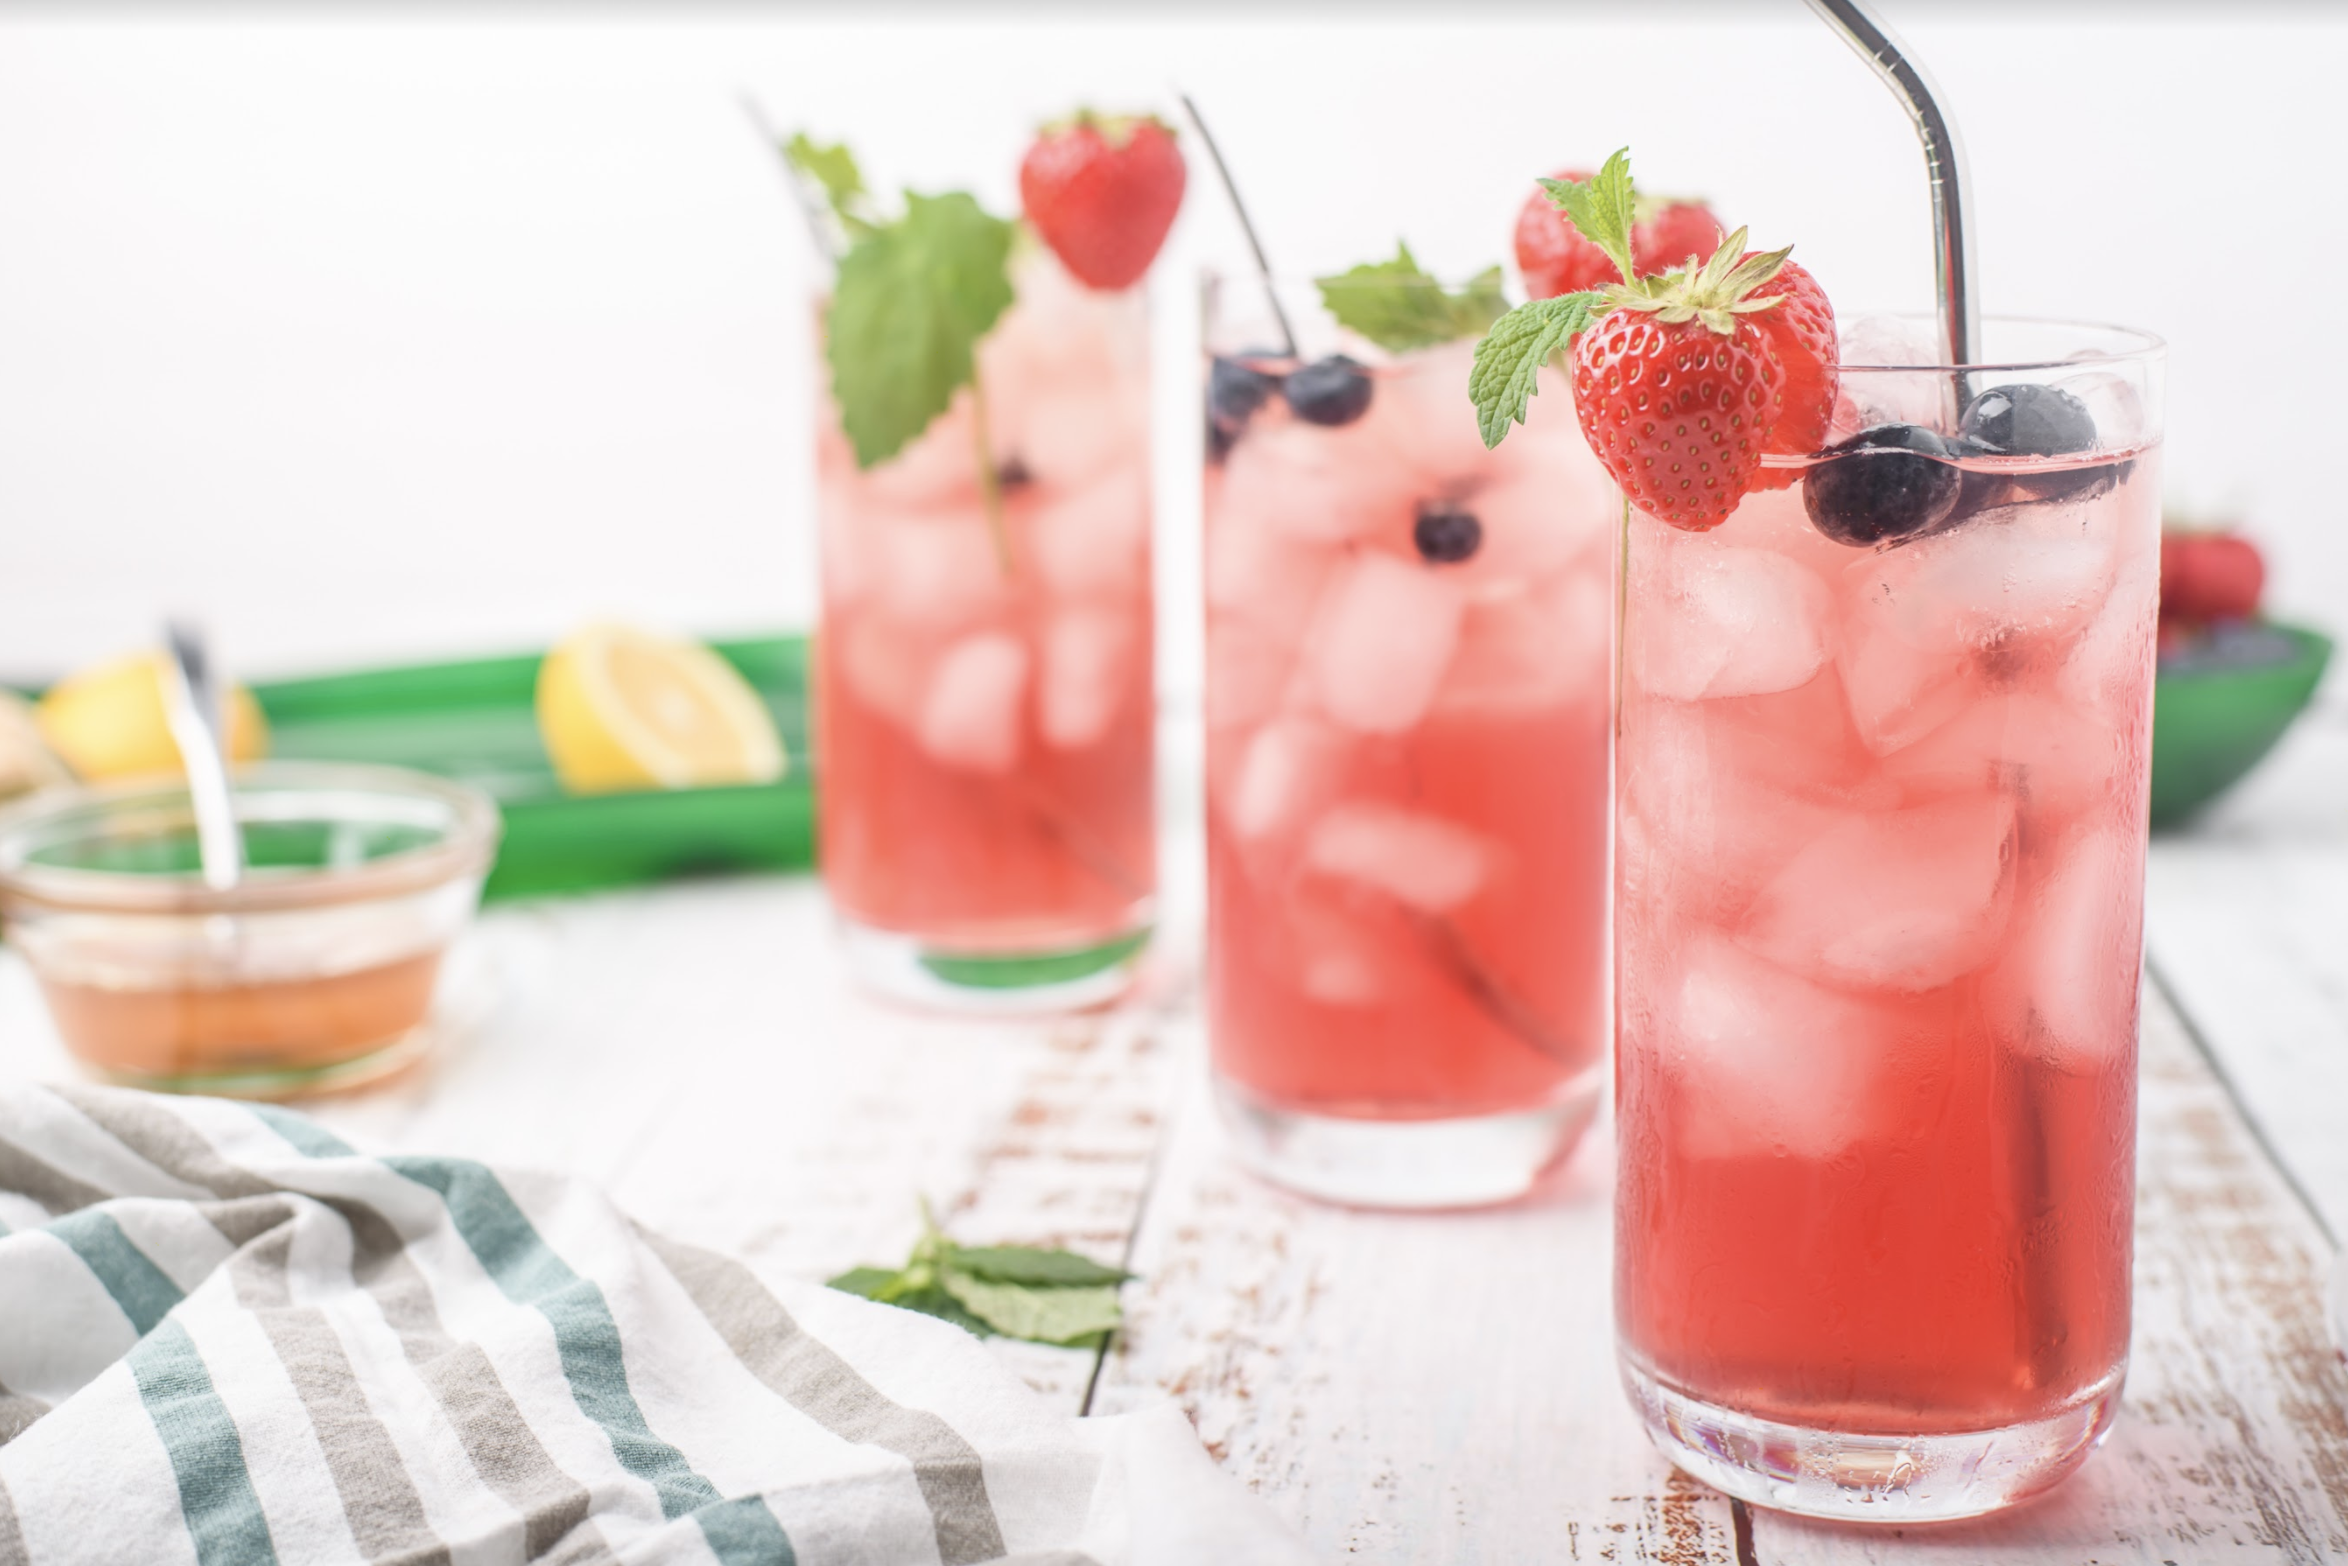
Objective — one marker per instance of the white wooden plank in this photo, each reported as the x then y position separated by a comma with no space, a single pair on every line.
1441,1388
2247,921
1423,1388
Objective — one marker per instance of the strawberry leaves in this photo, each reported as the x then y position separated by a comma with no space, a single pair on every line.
1042,1296
912,300
1508,361
1399,306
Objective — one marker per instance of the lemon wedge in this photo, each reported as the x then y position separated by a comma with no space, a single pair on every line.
621,708
108,721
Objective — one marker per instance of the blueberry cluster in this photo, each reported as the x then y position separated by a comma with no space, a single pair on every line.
1901,481
1329,391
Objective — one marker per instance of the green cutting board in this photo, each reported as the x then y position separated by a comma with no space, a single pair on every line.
477,722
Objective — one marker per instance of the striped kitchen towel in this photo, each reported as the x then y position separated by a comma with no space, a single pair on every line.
228,1339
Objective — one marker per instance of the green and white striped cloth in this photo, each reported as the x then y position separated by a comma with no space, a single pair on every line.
227,1339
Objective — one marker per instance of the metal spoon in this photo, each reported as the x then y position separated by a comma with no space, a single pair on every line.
193,705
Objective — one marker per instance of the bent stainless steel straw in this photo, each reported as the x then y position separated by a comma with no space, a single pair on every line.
1944,167
1247,227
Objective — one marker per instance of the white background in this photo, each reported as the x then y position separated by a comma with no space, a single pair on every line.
370,336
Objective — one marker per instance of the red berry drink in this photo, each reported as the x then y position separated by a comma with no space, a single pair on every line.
1406,766
1881,791
984,684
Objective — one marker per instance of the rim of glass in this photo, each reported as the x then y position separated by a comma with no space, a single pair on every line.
469,825
2140,344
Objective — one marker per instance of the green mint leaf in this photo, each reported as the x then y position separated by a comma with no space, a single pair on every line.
1509,359
1603,207
833,167
870,1283
1040,1315
935,1301
1021,1264
1399,306
911,302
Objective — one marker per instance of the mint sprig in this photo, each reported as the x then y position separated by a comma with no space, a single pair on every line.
912,299
1508,363
1399,306
1603,208
1017,1291
833,167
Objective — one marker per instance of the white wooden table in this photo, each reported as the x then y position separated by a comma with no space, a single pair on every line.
1419,1389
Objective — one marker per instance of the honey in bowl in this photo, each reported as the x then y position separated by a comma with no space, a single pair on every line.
316,971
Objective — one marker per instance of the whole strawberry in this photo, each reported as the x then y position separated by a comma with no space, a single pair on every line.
1103,191
1801,328
1677,409
1681,381
1554,258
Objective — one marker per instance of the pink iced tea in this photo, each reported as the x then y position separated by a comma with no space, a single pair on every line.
1406,776
1880,857
984,693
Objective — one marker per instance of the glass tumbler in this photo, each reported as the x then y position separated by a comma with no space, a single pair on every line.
1880,831
984,699
1407,647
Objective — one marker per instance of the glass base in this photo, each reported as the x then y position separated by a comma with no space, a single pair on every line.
365,1069
1472,1161
1851,1477
916,972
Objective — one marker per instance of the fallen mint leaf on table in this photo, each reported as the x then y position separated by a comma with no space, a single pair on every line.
1040,1314
1023,1264
1016,1291
1399,306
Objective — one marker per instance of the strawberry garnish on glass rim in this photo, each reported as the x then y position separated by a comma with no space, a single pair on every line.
1679,380
1102,191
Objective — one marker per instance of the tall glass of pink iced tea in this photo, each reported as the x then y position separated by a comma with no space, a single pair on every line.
1407,649
1885,694
984,678
1880,823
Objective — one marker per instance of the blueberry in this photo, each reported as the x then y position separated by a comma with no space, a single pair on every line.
2024,420
1010,473
1334,390
2029,420
1446,535
1891,482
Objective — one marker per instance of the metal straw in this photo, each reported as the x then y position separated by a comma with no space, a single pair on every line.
814,204
1239,209
1944,167
193,706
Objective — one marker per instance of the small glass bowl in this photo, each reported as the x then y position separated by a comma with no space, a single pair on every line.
315,972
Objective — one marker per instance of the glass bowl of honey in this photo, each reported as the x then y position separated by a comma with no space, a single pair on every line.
315,972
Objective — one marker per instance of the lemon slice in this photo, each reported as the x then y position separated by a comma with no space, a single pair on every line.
622,708
108,721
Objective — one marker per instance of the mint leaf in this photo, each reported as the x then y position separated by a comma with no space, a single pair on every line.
1508,361
833,167
1019,1264
1603,207
1399,306
870,1283
1040,1315
935,1301
912,300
